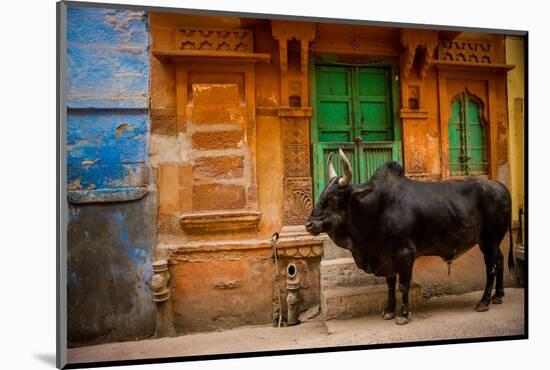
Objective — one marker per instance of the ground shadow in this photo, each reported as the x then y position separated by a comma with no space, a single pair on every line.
47,358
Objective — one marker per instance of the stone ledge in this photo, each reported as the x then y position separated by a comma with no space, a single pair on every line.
420,114
285,111
106,195
215,246
296,242
214,222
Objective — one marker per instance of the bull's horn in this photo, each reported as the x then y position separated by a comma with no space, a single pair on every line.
346,179
331,171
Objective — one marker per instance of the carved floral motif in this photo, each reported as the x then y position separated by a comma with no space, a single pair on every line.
465,51
238,40
298,202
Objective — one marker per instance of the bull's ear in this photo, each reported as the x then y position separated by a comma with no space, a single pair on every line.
361,190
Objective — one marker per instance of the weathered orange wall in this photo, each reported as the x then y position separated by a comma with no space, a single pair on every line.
216,284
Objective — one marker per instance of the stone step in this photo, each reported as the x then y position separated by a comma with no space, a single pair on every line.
349,302
342,272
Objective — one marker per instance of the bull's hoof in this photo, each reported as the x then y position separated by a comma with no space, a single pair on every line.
496,300
401,320
388,314
482,307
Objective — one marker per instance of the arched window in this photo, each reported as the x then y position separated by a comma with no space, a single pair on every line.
467,144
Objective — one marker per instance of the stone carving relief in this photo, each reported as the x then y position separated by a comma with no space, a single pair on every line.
465,51
235,40
298,202
296,148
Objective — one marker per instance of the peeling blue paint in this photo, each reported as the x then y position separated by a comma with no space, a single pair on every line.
106,26
97,136
108,98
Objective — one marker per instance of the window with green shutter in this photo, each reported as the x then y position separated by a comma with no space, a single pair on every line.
354,109
467,144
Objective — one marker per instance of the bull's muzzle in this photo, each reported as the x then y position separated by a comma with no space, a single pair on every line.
313,227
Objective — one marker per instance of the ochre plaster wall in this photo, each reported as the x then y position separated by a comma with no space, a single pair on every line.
216,147
516,96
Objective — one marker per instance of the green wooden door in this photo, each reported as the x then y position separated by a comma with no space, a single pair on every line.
373,105
353,111
467,154
334,104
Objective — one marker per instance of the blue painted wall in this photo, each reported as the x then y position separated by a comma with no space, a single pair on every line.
108,100
111,231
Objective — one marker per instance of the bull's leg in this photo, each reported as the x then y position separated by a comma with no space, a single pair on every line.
490,271
405,274
499,291
389,311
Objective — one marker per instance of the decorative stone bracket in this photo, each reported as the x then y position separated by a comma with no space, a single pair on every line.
284,31
293,86
421,42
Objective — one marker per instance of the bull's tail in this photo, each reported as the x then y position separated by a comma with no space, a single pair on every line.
511,265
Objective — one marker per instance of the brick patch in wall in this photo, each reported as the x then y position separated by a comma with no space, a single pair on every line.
207,197
217,114
215,94
218,140
218,168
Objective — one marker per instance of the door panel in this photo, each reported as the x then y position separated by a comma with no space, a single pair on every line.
475,139
334,103
373,82
467,154
455,139
374,122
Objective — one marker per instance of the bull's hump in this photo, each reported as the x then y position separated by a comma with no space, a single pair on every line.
390,168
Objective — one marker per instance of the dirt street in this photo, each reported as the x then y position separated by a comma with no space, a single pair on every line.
447,317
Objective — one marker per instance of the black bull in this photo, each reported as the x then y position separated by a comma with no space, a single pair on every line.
391,220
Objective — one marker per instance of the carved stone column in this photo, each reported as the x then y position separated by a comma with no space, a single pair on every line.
298,201
419,49
295,115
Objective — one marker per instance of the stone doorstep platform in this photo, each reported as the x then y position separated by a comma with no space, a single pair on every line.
350,302
348,292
